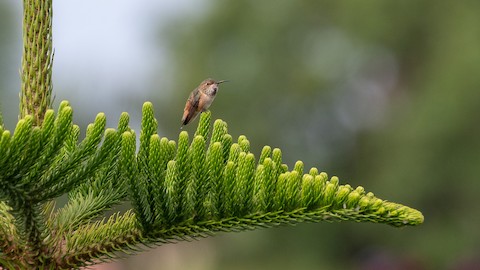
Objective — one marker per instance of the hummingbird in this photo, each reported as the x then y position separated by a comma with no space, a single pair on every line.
200,99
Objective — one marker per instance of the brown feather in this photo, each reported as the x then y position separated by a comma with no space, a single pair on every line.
191,107
201,103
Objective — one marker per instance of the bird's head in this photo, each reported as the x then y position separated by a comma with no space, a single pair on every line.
210,86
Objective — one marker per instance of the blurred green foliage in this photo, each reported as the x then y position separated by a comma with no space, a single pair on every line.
6,49
385,93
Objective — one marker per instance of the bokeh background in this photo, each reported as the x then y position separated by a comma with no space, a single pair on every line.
383,94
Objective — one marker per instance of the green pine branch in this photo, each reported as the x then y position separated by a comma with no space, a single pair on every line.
37,59
178,191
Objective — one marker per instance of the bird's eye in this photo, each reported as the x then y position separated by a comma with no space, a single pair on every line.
209,83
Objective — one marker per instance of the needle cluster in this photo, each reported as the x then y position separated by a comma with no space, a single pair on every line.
179,190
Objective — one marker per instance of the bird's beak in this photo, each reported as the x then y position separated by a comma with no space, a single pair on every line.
222,81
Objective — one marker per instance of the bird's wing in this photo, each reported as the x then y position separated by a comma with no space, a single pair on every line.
191,107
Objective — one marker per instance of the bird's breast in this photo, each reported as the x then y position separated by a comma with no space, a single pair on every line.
205,102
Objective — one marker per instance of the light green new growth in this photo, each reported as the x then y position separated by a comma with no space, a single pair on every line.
178,191
37,59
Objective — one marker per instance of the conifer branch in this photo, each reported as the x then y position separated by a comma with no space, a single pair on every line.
178,191
37,59
249,190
